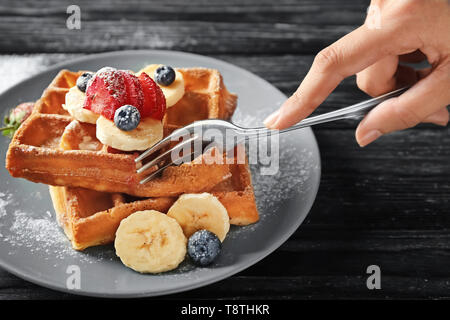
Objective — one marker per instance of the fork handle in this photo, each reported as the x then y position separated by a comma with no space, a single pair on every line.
355,111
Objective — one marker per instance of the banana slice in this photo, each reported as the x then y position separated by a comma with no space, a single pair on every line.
148,132
200,211
150,242
175,91
74,105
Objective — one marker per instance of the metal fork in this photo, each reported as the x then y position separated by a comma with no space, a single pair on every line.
355,111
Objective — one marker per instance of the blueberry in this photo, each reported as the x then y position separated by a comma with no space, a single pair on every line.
82,81
165,75
204,247
127,117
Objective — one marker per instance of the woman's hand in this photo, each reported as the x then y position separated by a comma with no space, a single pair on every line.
407,30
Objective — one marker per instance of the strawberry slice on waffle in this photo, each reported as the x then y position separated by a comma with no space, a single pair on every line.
154,101
106,93
110,89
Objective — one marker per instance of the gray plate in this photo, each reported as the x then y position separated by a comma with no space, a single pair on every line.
33,247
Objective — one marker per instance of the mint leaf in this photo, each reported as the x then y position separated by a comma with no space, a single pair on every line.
7,132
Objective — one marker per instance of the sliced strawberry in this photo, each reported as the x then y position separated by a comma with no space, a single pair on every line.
99,100
161,103
149,90
154,101
106,93
110,89
135,95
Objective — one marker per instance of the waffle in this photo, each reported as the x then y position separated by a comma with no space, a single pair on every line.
237,196
91,217
35,144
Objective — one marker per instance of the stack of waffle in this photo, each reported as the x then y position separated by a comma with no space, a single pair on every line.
93,187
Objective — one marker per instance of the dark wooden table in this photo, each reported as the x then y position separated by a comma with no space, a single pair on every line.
387,204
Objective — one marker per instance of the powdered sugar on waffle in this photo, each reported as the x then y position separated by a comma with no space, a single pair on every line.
73,125
88,144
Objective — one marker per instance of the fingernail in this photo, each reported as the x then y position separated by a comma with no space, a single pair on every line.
369,137
270,120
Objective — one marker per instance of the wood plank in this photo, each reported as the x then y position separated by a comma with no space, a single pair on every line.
282,287
281,11
200,26
312,287
21,36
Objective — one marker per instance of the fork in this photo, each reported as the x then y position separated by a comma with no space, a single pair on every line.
355,111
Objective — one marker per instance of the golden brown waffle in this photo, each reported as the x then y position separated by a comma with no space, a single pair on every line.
91,217
237,196
205,98
34,155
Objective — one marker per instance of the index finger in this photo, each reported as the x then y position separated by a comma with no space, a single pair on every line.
350,54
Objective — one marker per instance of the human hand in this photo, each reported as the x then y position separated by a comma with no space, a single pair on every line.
409,30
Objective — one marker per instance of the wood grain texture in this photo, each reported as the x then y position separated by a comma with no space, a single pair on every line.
200,26
387,204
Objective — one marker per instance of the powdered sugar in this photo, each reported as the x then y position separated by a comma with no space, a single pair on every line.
73,125
287,182
19,68
294,164
296,167
38,232
5,200
88,144
114,82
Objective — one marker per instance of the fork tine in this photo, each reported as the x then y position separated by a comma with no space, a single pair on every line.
155,173
160,144
166,153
